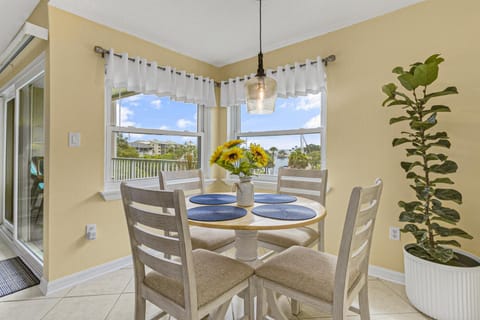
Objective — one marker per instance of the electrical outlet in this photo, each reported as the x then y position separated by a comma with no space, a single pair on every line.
91,231
394,233
74,139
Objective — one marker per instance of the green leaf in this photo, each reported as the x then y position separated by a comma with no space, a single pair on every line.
436,156
409,206
407,166
444,92
438,135
408,216
441,254
450,232
399,141
398,103
436,108
440,143
448,166
408,81
398,70
395,120
425,125
425,74
449,242
435,58
442,180
389,89
448,194
447,213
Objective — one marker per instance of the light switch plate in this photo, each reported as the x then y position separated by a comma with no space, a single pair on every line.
74,139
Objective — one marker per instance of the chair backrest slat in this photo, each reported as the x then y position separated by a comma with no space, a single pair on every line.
150,198
186,180
160,243
311,184
153,220
168,268
356,238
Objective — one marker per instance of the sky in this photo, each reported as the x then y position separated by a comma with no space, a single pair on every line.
153,112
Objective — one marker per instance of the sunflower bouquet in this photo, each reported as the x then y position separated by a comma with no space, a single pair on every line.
240,160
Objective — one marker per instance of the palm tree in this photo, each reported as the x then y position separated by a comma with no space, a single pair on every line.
273,150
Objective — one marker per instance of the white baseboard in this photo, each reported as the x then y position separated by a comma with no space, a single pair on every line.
48,287
386,274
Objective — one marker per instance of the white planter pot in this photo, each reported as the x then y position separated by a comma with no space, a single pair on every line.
443,292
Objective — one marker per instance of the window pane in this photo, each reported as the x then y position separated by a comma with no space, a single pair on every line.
290,113
138,156
153,112
296,151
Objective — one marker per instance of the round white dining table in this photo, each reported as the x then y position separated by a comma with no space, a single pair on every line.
246,228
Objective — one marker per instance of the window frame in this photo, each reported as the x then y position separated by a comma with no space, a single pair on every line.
111,187
234,132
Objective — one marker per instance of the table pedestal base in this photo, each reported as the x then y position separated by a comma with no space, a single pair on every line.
246,247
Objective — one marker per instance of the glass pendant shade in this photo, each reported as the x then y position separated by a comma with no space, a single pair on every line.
261,93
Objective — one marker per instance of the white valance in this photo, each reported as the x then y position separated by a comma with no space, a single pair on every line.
297,80
145,77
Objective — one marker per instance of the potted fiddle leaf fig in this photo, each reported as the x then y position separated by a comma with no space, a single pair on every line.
433,263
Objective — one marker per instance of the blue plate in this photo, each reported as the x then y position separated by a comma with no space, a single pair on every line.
215,213
284,212
213,198
274,198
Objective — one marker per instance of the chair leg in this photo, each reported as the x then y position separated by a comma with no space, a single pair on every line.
363,303
295,306
272,300
140,307
220,313
261,301
249,303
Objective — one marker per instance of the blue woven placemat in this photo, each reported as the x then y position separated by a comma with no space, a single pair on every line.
215,213
213,198
15,276
274,198
284,212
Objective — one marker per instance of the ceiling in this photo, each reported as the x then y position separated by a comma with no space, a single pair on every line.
12,17
218,32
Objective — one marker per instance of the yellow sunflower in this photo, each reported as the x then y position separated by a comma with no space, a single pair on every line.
216,155
232,155
232,143
259,155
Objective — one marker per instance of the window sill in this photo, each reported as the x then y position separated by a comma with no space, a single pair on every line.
112,189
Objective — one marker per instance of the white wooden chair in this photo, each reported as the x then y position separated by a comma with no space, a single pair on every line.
189,285
191,182
311,184
320,279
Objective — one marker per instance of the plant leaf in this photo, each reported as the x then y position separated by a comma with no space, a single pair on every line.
398,119
448,194
448,166
442,180
398,70
408,81
399,141
389,89
444,92
407,166
440,143
438,135
449,242
425,74
409,206
436,108
447,213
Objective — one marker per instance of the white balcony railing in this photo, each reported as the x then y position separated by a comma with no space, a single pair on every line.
137,168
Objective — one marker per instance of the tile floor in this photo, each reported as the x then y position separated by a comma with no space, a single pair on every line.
111,297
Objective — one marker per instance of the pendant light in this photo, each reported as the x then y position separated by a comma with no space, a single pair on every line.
261,91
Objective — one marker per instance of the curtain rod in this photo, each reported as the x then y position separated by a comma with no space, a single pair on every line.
103,52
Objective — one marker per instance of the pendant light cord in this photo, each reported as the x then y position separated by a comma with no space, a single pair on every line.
260,6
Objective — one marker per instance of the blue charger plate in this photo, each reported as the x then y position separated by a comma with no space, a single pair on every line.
284,212
213,198
274,198
215,213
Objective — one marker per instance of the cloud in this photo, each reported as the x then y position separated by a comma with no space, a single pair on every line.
163,128
309,102
125,116
132,98
312,123
184,123
156,104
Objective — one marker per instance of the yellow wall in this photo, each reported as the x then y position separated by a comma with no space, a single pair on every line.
358,135
77,175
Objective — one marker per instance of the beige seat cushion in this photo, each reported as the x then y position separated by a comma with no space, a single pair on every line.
215,274
305,270
210,239
290,237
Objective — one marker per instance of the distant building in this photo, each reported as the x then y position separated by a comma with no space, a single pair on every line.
153,147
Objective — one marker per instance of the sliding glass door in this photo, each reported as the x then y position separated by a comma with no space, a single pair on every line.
23,141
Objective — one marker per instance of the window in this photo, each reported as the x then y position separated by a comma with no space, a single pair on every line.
294,135
147,134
